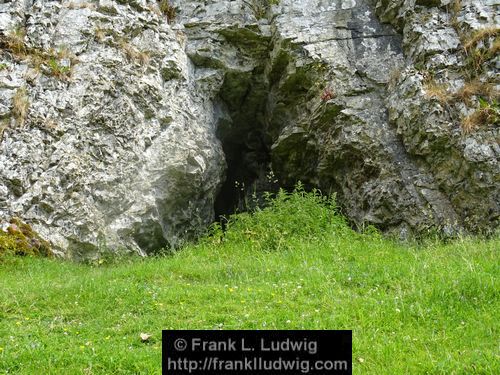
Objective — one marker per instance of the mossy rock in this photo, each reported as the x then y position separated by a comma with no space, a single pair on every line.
20,239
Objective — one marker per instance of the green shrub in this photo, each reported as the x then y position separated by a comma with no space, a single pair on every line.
298,215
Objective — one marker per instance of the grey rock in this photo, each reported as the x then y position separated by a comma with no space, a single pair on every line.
147,139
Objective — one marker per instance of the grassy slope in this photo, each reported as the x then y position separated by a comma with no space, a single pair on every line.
427,309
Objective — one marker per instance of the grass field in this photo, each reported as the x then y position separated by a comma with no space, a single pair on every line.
431,308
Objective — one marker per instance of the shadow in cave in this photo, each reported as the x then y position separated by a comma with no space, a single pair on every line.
247,157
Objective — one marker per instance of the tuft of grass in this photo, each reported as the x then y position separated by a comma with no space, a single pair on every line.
483,92
20,106
14,42
414,309
168,10
480,47
139,57
38,58
488,114
4,124
475,88
84,5
477,36
260,8
437,91
454,9
56,69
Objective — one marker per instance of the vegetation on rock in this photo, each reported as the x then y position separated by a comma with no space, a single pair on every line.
168,10
19,239
56,63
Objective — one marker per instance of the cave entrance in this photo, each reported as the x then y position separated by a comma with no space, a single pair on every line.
247,159
242,131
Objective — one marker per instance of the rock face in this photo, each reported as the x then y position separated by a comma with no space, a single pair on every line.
122,130
121,154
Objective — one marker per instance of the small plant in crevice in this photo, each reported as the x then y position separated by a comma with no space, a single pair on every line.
488,114
14,42
260,8
100,34
435,90
58,70
84,5
20,106
167,9
479,47
327,95
474,88
133,54
4,124
52,62
454,9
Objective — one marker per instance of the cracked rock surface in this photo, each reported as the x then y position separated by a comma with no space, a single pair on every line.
123,131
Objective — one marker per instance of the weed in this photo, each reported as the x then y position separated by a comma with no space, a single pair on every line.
488,114
14,42
327,95
100,34
140,57
479,47
3,66
84,5
436,90
168,10
480,35
20,106
4,124
154,10
260,8
57,70
475,88
454,9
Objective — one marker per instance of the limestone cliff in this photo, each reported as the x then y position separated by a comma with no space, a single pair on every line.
125,124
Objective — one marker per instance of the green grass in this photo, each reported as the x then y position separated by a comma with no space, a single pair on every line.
413,309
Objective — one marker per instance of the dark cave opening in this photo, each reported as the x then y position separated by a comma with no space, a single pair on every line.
247,158
242,130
